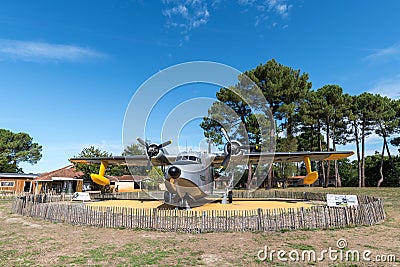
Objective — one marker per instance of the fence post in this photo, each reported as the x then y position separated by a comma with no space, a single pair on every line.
259,220
154,221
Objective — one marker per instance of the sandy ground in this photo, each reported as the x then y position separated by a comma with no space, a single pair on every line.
236,205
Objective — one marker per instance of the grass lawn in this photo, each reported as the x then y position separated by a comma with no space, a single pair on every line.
32,242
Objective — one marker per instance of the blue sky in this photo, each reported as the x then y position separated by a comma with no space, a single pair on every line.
68,69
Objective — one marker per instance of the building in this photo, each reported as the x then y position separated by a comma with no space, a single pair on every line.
65,180
127,183
14,183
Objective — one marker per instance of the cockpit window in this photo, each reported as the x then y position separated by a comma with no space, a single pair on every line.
191,158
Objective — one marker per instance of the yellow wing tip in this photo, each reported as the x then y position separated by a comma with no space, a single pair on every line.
99,179
310,178
80,161
339,156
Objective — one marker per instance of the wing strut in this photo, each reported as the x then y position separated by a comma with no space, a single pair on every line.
99,178
311,176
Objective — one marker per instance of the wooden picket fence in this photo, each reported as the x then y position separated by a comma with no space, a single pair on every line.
42,198
369,211
46,198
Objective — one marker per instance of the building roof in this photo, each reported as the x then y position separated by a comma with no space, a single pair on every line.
66,172
18,175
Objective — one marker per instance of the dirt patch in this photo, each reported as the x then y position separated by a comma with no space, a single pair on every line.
211,259
22,221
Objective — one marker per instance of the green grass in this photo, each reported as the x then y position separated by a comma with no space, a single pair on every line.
133,255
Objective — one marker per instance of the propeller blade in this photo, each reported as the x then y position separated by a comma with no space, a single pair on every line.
226,160
142,142
165,144
228,155
226,135
148,166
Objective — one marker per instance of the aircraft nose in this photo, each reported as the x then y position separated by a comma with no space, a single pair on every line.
174,172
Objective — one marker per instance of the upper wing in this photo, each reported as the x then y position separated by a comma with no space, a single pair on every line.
136,160
254,157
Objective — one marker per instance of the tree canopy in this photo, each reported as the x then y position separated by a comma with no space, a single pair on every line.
132,150
319,119
16,148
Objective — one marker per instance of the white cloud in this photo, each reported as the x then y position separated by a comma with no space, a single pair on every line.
186,15
269,11
384,54
247,2
280,7
388,87
44,52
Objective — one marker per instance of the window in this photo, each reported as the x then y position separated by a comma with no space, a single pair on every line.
7,183
191,158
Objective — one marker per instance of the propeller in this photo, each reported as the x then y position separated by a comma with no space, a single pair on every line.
232,147
228,148
152,150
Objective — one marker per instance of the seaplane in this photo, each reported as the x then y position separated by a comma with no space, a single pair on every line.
189,176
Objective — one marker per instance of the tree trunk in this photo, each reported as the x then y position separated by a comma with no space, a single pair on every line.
312,139
338,178
358,153
289,128
338,181
381,168
363,156
391,160
320,149
327,149
249,176
269,179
